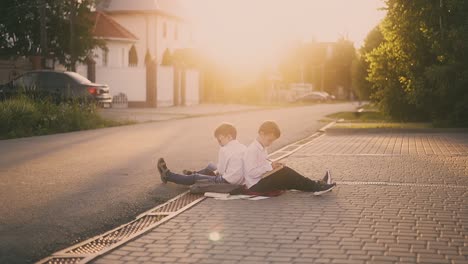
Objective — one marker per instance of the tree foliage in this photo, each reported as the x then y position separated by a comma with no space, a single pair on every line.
360,65
420,71
341,62
20,29
309,63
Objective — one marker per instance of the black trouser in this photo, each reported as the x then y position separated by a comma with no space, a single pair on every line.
285,179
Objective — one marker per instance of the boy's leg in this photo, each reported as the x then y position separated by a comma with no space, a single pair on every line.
209,170
192,179
206,171
286,179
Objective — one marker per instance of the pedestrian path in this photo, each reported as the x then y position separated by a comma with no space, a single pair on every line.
407,205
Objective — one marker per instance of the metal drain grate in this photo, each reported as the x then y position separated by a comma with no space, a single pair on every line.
116,236
63,260
177,204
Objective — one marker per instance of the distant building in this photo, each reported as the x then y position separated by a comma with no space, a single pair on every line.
158,25
137,33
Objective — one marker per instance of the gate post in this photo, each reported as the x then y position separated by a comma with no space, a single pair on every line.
151,84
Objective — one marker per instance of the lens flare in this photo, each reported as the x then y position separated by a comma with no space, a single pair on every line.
214,236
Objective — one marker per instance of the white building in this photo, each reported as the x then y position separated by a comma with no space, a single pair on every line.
158,25
137,32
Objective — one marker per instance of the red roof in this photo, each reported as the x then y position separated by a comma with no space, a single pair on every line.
106,27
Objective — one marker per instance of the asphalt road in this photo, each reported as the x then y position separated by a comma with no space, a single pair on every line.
58,190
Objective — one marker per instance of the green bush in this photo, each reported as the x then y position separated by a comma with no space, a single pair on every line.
419,71
23,117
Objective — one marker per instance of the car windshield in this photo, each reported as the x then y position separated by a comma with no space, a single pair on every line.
78,77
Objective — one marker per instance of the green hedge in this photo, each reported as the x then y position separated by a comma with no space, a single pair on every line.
24,117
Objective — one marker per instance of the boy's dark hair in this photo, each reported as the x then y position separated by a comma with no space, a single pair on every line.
270,127
226,129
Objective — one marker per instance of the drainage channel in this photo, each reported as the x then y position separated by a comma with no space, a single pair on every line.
94,247
101,244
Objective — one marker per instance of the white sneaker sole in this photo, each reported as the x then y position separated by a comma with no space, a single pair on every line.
325,191
329,180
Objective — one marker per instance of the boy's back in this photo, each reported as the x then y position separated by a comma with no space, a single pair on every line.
230,163
255,163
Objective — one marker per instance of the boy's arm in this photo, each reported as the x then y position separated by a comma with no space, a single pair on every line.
221,165
255,166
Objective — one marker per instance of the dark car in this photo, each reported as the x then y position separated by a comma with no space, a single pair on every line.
58,85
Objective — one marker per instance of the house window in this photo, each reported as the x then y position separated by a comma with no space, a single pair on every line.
164,30
176,32
105,56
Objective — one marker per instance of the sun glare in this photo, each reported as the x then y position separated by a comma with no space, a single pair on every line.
254,32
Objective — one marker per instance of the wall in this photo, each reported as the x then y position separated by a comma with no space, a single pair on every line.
169,42
130,81
138,24
81,69
117,54
165,84
12,68
192,87
149,30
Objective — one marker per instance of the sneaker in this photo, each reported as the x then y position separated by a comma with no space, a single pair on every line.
324,188
327,178
163,170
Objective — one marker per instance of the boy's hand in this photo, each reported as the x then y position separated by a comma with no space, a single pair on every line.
277,164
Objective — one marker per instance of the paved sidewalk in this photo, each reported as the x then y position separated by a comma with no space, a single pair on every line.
173,112
402,198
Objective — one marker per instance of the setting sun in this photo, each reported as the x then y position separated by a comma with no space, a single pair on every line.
254,32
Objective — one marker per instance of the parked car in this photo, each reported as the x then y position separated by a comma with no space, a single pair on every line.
327,95
312,97
58,85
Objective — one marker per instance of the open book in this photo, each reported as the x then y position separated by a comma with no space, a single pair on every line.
268,173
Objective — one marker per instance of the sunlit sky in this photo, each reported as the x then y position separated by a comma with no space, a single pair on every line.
255,31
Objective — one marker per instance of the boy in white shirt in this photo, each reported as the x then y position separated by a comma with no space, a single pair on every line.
262,176
228,170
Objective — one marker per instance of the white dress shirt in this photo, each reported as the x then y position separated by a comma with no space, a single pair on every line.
230,164
255,163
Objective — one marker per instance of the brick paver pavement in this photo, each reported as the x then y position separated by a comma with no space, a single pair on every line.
421,217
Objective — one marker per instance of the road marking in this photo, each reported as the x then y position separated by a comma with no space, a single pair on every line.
296,146
402,184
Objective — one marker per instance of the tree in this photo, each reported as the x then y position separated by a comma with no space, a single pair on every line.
360,65
167,58
419,72
19,30
309,63
68,27
343,56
